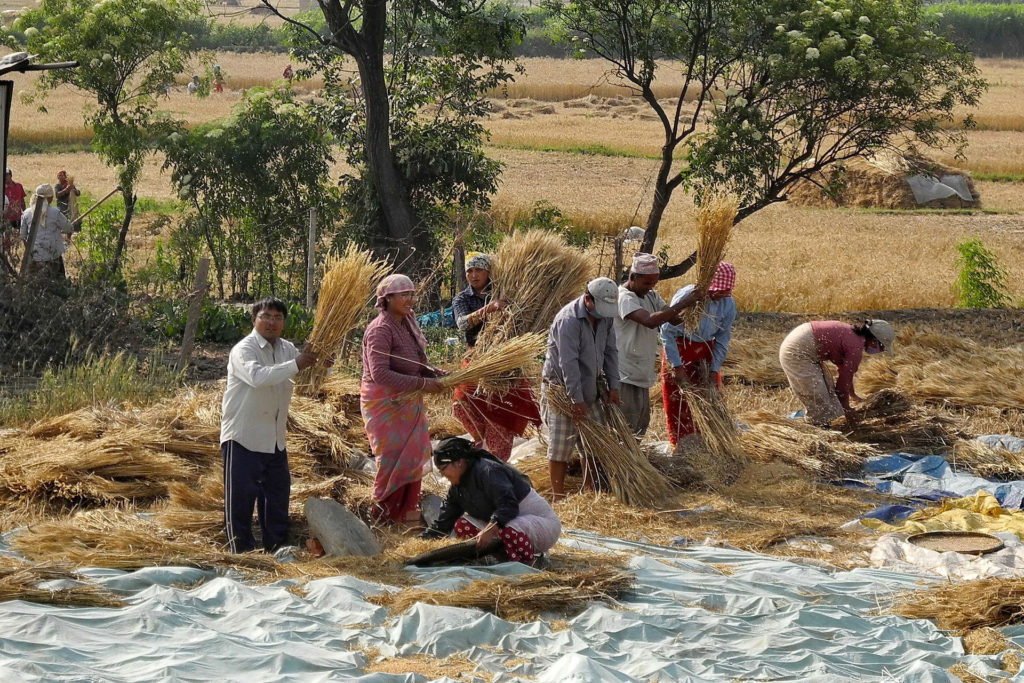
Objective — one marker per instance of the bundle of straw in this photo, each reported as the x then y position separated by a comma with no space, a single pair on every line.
348,284
967,604
612,445
522,598
536,273
722,459
715,217
498,368
821,452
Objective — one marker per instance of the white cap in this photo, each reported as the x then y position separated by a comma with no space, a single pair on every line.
883,332
606,297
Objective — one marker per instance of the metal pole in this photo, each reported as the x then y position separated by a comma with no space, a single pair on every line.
311,258
195,307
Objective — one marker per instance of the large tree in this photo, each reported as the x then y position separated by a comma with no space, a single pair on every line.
129,51
409,120
774,91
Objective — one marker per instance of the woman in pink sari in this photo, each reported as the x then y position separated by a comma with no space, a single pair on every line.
394,365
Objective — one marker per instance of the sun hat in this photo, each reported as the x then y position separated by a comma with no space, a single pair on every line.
883,332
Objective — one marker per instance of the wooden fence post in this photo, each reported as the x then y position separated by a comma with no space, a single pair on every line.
195,307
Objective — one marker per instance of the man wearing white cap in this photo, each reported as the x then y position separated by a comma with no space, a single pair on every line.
581,347
641,313
48,246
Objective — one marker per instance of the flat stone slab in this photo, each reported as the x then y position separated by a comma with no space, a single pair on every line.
339,531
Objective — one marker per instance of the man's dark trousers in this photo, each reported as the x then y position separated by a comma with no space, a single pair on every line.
260,479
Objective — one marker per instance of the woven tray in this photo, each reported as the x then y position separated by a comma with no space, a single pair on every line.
967,542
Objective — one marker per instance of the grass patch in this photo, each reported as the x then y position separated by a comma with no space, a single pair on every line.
100,379
594,150
999,177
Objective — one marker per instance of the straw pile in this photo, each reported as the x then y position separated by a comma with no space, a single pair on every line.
947,370
613,447
715,217
499,367
888,421
755,360
121,540
987,461
348,283
967,604
537,273
722,459
821,452
20,581
527,597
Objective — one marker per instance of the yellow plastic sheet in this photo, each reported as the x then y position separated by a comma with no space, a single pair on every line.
980,512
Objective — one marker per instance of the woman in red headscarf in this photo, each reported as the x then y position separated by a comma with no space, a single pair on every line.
696,356
395,367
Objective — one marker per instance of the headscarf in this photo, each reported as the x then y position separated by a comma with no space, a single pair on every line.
61,173
396,284
45,190
645,264
456,448
481,261
725,278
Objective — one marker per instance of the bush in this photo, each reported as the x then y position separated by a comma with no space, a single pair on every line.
981,282
221,323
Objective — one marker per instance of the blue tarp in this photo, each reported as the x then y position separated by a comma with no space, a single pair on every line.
443,318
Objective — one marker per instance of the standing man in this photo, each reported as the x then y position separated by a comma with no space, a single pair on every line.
15,193
581,347
252,429
67,195
642,311
696,356
48,246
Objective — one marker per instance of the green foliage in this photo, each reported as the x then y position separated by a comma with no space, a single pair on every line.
981,282
99,379
249,181
221,323
547,216
987,29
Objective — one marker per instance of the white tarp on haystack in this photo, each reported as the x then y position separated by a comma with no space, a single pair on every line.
928,188
697,613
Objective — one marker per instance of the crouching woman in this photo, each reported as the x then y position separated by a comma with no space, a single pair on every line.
492,501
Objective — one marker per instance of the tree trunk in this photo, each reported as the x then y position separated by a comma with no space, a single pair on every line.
129,211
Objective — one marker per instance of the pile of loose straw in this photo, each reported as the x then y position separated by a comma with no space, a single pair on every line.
613,447
526,597
348,285
755,360
821,452
889,421
537,273
987,461
20,580
715,217
967,604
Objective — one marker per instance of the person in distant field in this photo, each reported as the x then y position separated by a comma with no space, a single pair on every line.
493,420
696,356
193,85
252,429
288,74
581,347
642,312
493,502
218,79
49,244
15,195
67,195
809,345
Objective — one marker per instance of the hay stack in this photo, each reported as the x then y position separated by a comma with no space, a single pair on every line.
715,217
348,284
721,460
967,604
889,421
613,447
946,370
823,453
537,273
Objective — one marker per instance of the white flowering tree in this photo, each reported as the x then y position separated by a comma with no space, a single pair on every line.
776,90
130,52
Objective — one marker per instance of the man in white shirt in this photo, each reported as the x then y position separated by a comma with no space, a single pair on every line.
252,429
49,245
641,313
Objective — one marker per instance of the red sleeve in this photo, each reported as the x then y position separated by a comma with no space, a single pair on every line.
378,343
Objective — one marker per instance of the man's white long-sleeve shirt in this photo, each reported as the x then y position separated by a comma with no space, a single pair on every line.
255,406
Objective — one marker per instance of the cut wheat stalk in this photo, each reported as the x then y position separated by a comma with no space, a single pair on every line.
721,458
347,287
715,218
612,446
536,273
499,368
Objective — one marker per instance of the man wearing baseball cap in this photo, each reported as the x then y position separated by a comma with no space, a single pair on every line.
642,312
581,348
